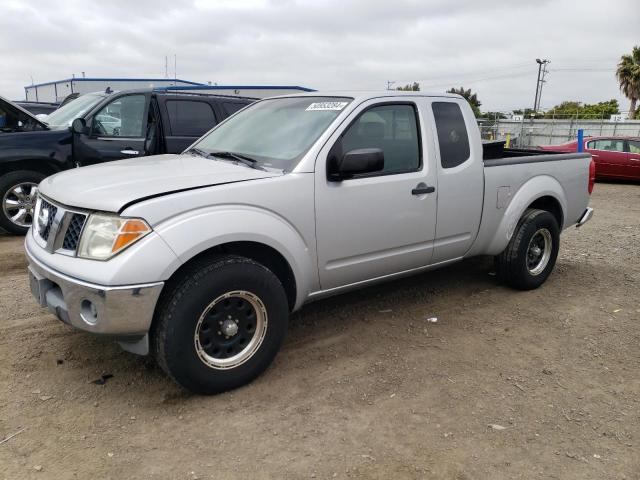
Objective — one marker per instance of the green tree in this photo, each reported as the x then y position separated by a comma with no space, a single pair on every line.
573,109
628,75
415,87
493,115
528,113
470,97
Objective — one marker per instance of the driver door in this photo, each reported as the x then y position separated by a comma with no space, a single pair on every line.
117,130
378,224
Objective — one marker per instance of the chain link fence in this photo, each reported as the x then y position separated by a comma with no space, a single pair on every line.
552,131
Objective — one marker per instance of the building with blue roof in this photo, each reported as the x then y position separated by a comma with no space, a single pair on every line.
57,90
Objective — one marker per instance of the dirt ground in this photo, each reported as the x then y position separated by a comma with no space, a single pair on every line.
506,384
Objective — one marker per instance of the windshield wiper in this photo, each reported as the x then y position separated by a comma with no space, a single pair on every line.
239,157
197,151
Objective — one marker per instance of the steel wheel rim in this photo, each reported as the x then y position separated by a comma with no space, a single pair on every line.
539,251
18,203
230,330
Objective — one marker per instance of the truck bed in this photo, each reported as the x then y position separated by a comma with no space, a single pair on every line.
521,174
496,150
495,154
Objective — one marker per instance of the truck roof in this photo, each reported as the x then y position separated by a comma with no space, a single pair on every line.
368,94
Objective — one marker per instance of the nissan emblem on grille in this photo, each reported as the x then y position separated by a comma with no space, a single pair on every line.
43,218
59,229
46,215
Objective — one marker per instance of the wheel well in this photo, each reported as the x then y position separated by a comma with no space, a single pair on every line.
262,254
551,205
32,165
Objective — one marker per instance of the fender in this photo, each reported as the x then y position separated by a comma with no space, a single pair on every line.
535,188
197,231
47,151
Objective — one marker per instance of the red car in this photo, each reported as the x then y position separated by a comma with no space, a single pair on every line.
615,157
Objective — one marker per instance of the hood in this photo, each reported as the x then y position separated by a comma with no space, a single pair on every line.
111,186
8,105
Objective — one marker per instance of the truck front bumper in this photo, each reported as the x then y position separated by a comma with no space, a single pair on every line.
124,311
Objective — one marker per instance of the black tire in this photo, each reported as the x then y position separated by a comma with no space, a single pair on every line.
184,302
7,182
516,266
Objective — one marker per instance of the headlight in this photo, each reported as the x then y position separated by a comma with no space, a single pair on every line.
105,235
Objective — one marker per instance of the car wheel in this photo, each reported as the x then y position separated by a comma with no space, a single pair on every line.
18,192
532,251
220,324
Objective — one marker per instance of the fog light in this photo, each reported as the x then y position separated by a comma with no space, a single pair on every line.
89,311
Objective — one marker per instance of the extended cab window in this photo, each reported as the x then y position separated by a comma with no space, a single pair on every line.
190,118
634,146
452,134
123,117
607,144
391,128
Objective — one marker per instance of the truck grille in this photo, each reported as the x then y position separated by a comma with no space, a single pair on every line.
45,226
56,228
72,235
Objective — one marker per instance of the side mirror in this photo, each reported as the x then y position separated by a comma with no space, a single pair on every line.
79,125
354,162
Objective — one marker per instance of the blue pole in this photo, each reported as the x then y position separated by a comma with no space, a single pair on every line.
580,140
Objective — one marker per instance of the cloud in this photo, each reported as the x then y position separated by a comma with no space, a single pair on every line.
327,44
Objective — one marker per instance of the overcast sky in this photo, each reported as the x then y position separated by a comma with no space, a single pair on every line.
490,47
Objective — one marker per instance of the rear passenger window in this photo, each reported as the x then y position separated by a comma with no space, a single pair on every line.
190,118
607,144
232,107
393,129
452,134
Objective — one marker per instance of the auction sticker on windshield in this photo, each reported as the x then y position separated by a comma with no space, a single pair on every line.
327,106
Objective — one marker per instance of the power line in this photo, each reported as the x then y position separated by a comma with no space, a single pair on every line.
477,80
510,71
589,69
479,72
498,71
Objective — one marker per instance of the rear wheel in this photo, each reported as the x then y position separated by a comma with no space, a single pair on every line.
532,251
18,192
220,324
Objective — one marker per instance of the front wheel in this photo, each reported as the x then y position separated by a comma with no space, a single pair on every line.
220,324
532,251
18,192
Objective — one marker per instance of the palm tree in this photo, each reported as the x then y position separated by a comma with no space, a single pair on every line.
470,97
628,75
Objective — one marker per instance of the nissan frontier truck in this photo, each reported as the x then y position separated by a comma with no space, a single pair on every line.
199,258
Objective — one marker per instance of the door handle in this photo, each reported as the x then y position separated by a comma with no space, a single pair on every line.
594,155
422,189
128,151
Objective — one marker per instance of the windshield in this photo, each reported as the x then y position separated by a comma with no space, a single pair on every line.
275,132
62,117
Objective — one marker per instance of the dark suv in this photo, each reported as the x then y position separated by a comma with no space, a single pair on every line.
95,128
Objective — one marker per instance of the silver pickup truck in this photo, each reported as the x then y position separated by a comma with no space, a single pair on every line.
199,258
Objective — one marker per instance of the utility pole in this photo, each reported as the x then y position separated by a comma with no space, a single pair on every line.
390,84
542,81
540,64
